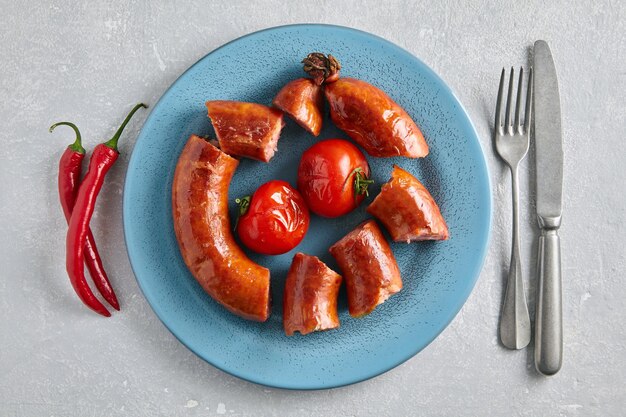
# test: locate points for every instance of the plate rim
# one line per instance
(483, 169)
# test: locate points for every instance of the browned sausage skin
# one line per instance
(303, 101)
(203, 231)
(369, 268)
(407, 209)
(373, 120)
(365, 112)
(310, 297)
(246, 129)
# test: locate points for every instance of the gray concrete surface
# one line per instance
(90, 62)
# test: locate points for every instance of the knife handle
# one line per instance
(548, 319)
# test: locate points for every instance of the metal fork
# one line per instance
(512, 141)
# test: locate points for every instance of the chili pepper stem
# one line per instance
(112, 143)
(77, 146)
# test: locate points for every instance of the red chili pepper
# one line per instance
(70, 167)
(103, 157)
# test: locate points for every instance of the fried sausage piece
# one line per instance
(310, 297)
(302, 100)
(203, 231)
(373, 120)
(369, 268)
(246, 129)
(407, 209)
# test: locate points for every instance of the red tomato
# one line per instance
(276, 219)
(333, 177)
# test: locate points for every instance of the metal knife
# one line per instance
(549, 177)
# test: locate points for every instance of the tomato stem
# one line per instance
(361, 182)
(244, 205)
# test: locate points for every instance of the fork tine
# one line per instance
(509, 100)
(529, 99)
(516, 125)
(498, 124)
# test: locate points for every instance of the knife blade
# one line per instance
(549, 182)
(548, 138)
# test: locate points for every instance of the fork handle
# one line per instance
(548, 320)
(515, 320)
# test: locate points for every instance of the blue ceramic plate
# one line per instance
(438, 276)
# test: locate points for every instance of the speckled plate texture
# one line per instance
(438, 276)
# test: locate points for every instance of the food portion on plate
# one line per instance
(366, 113)
(310, 296)
(373, 120)
(274, 220)
(368, 266)
(333, 179)
(246, 129)
(407, 209)
(203, 231)
(302, 100)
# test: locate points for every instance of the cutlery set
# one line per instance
(542, 113)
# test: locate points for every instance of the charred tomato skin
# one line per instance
(327, 174)
(275, 220)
